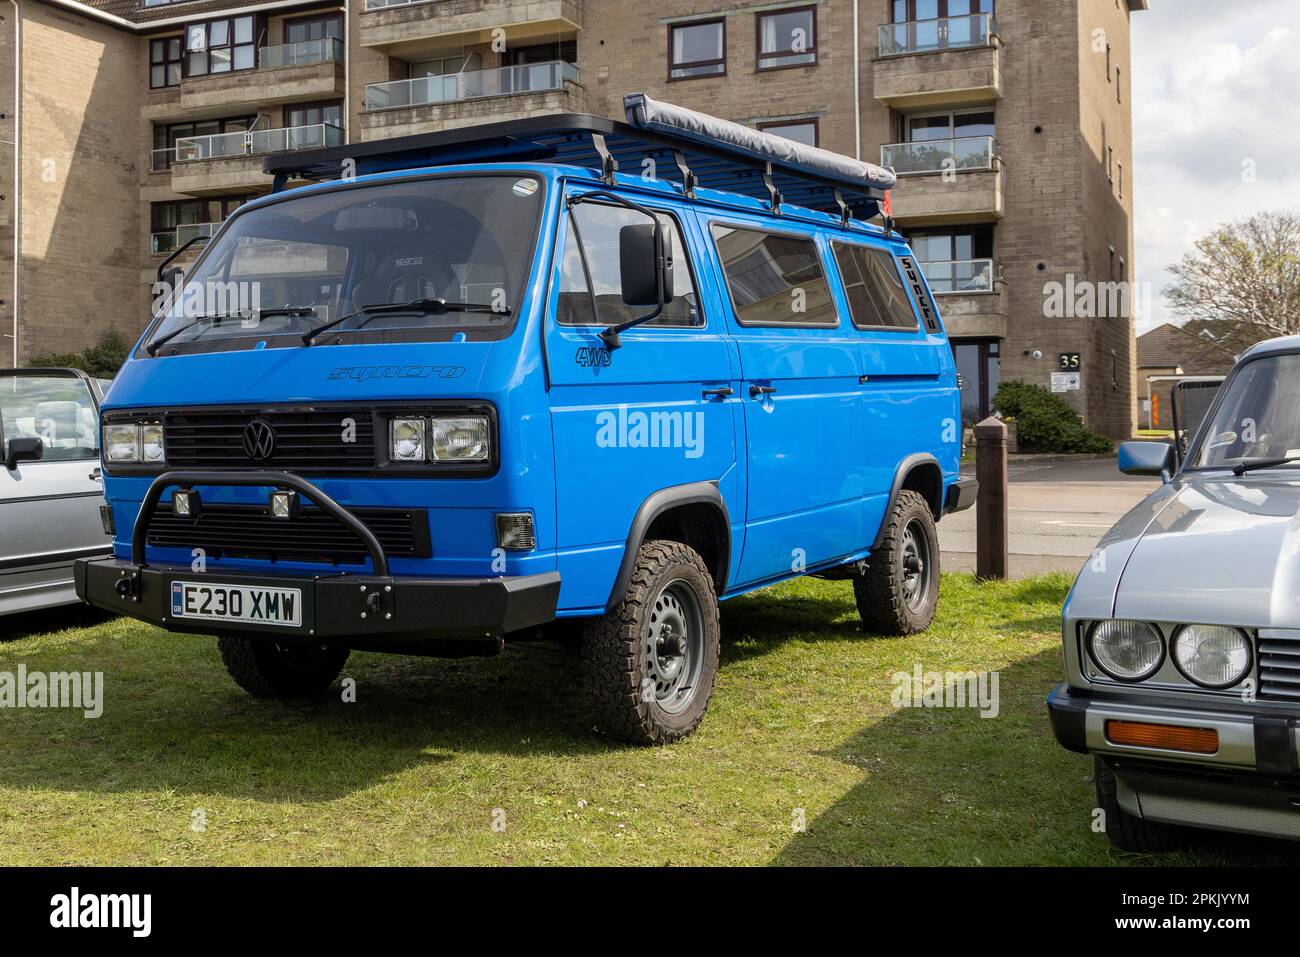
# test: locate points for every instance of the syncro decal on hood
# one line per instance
(1225, 552)
(370, 373)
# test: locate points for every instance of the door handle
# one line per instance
(96, 476)
(720, 393)
(756, 390)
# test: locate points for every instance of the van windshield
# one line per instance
(454, 251)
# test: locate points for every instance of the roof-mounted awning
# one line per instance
(687, 148)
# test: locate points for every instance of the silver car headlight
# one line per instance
(462, 438)
(1212, 656)
(1126, 650)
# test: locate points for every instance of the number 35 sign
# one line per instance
(1069, 361)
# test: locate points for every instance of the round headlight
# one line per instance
(1212, 656)
(1126, 650)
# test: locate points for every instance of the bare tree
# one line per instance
(1244, 274)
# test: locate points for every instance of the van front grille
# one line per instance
(1279, 669)
(301, 441)
(248, 531)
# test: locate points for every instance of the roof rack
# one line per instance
(761, 166)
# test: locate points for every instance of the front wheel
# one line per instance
(269, 669)
(1126, 831)
(649, 664)
(899, 591)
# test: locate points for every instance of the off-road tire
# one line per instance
(616, 650)
(1125, 831)
(264, 670)
(880, 591)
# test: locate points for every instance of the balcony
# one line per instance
(946, 180)
(950, 62)
(231, 163)
(971, 297)
(169, 240)
(464, 99)
(401, 27)
(288, 73)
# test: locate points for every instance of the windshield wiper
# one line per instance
(1250, 465)
(296, 312)
(435, 306)
(153, 347)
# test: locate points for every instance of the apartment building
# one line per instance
(143, 123)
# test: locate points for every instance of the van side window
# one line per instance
(774, 279)
(591, 265)
(874, 288)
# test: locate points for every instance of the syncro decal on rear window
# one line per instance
(923, 301)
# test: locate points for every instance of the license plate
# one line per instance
(246, 604)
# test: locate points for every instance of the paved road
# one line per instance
(1057, 510)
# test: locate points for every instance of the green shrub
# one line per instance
(102, 360)
(1044, 422)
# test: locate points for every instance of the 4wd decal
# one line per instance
(590, 357)
(366, 373)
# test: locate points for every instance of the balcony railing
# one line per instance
(224, 145)
(959, 154)
(928, 36)
(305, 53)
(473, 84)
(385, 4)
(161, 159)
(963, 276)
(169, 240)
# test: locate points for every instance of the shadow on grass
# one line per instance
(991, 791)
(31, 623)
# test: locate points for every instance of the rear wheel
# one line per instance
(649, 664)
(1126, 831)
(269, 669)
(899, 591)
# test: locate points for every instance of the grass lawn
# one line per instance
(413, 771)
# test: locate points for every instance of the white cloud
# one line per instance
(1213, 89)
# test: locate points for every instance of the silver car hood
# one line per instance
(1213, 550)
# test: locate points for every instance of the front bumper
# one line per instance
(1251, 784)
(355, 609)
(361, 610)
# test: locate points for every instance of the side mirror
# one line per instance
(27, 449)
(1146, 458)
(639, 265)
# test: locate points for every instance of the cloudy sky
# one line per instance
(1215, 86)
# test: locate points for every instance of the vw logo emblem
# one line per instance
(259, 440)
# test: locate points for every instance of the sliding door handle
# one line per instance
(720, 393)
(758, 390)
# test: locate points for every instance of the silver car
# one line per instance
(1182, 633)
(50, 485)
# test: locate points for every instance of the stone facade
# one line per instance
(1057, 194)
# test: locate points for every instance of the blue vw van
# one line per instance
(560, 376)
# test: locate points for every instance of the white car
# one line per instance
(51, 489)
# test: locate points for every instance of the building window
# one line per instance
(697, 49)
(165, 137)
(220, 46)
(313, 114)
(1119, 86)
(173, 223)
(1110, 164)
(957, 259)
(1120, 180)
(303, 29)
(164, 63)
(787, 38)
(806, 132)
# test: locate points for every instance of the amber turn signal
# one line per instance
(1167, 736)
